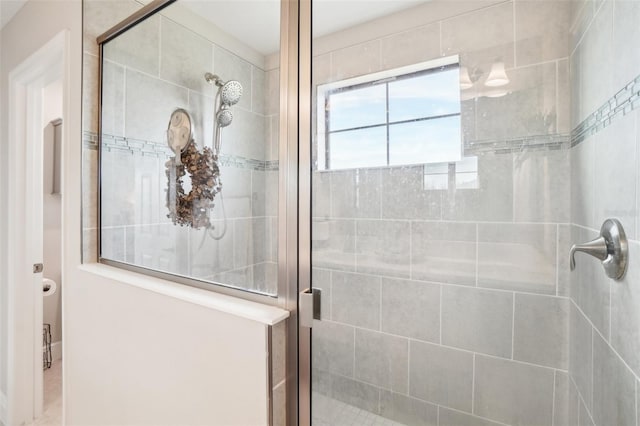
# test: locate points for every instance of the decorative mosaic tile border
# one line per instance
(507, 146)
(622, 103)
(152, 149)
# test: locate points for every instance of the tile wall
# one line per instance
(604, 361)
(451, 306)
(149, 71)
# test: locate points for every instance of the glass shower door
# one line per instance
(439, 144)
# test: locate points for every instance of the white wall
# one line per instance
(33, 26)
(131, 355)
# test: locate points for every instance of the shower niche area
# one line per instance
(188, 148)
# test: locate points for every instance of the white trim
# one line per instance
(265, 314)
(24, 336)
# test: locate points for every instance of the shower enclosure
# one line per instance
(414, 173)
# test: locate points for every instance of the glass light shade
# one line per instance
(497, 76)
(465, 80)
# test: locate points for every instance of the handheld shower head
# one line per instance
(231, 92)
(224, 117)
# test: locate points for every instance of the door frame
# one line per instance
(305, 164)
(24, 338)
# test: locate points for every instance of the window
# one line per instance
(408, 115)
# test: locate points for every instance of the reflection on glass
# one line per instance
(430, 141)
(358, 148)
(153, 69)
(357, 107)
(428, 95)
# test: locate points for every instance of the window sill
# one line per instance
(265, 314)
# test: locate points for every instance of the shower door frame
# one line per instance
(304, 204)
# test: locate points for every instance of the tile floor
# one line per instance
(52, 412)
(330, 412)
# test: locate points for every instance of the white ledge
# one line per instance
(266, 314)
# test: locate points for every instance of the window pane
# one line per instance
(427, 95)
(358, 107)
(358, 148)
(430, 141)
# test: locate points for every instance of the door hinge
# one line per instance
(37, 268)
(309, 306)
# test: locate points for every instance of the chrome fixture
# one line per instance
(610, 247)
(230, 92)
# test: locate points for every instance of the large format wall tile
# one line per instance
(411, 308)
(541, 31)
(580, 353)
(617, 174)
(512, 392)
(185, 57)
(477, 320)
(517, 257)
(405, 196)
(346, 390)
(399, 49)
(541, 330)
(441, 375)
(527, 109)
(356, 299)
(333, 347)
(626, 14)
(355, 193)
(149, 104)
(541, 186)
(231, 67)
(461, 35)
(614, 387)
(382, 247)
(625, 312)
(444, 252)
(407, 410)
(381, 359)
(492, 200)
(138, 48)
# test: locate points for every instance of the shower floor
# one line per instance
(330, 412)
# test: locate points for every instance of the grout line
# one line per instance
(513, 325)
(557, 259)
(592, 365)
(477, 254)
(413, 339)
(410, 250)
(473, 384)
(408, 366)
(553, 400)
(440, 337)
(469, 287)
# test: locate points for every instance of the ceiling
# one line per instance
(256, 22)
(8, 9)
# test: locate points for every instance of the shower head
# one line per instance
(224, 117)
(231, 92)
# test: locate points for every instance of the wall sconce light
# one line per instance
(465, 80)
(497, 76)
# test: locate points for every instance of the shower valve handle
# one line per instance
(610, 247)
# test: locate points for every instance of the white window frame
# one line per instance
(325, 90)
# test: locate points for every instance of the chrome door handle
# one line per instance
(610, 247)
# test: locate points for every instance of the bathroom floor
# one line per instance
(330, 412)
(52, 411)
